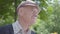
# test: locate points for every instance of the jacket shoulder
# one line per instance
(5, 29)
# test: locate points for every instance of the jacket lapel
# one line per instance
(33, 32)
(9, 29)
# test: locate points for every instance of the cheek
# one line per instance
(28, 14)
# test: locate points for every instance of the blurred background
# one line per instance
(48, 21)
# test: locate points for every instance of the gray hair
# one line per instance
(29, 3)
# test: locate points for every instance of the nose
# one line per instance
(35, 14)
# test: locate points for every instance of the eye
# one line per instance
(33, 11)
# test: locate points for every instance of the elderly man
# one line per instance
(27, 13)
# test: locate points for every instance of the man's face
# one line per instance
(29, 14)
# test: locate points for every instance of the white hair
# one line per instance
(30, 3)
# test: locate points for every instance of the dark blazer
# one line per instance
(8, 30)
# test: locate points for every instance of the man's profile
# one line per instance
(27, 13)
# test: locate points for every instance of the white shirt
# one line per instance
(18, 29)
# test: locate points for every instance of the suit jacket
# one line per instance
(9, 30)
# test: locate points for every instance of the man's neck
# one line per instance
(22, 23)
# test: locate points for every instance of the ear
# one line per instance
(20, 11)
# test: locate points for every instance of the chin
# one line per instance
(33, 21)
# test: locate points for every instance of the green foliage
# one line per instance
(48, 20)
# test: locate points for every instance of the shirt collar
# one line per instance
(17, 27)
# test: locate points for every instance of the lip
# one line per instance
(34, 16)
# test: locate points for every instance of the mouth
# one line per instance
(34, 16)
